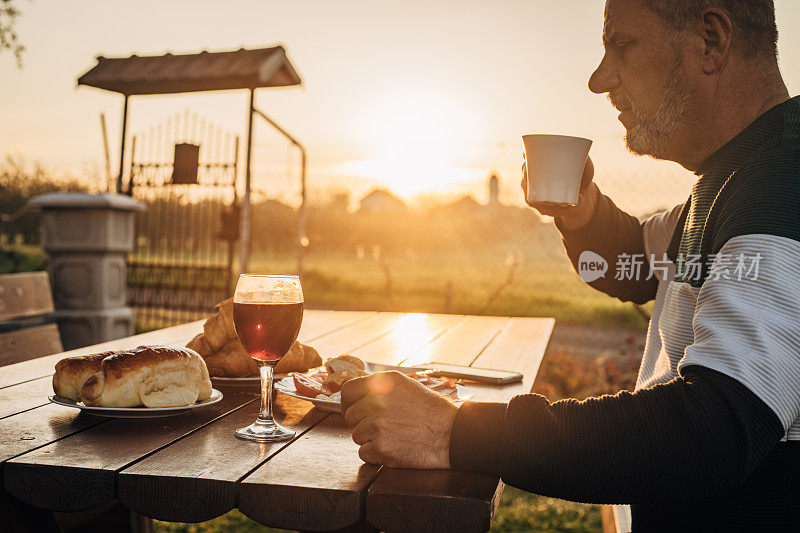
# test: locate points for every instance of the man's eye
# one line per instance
(622, 44)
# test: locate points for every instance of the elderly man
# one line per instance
(710, 439)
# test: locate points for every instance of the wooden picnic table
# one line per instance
(191, 468)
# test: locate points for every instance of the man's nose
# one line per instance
(604, 79)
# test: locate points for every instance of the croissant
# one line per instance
(300, 358)
(231, 361)
(224, 355)
(225, 309)
(200, 345)
(214, 328)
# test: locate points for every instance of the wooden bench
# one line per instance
(25, 302)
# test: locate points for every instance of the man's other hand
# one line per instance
(398, 422)
(572, 217)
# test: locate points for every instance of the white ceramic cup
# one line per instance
(554, 166)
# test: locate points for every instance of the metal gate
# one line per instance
(184, 170)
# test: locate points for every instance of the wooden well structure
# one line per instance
(243, 69)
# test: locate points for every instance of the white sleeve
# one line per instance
(657, 232)
(749, 328)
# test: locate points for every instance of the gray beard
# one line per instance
(650, 134)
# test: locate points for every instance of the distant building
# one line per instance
(340, 202)
(468, 206)
(465, 204)
(381, 201)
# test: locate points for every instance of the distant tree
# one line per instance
(9, 40)
(18, 184)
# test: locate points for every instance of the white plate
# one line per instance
(286, 386)
(136, 412)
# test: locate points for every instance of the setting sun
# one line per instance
(411, 167)
(415, 136)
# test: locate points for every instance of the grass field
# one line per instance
(18, 257)
(486, 283)
(536, 281)
(519, 512)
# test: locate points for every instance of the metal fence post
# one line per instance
(244, 240)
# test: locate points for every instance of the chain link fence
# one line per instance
(456, 256)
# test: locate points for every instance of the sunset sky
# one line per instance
(417, 96)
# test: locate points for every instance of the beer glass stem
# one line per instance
(265, 415)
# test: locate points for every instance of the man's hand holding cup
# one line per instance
(557, 178)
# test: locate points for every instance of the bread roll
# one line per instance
(344, 363)
(341, 369)
(72, 372)
(153, 376)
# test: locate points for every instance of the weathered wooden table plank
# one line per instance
(349, 337)
(460, 501)
(30, 393)
(411, 334)
(432, 500)
(33, 393)
(318, 323)
(314, 322)
(195, 479)
(519, 347)
(461, 344)
(24, 396)
(318, 482)
(79, 471)
(22, 432)
(363, 331)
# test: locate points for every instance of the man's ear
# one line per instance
(715, 29)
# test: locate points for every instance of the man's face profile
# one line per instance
(642, 73)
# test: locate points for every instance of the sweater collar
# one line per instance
(748, 141)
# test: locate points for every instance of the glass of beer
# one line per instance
(267, 313)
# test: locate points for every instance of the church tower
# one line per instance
(494, 190)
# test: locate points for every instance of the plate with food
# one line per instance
(144, 382)
(322, 386)
(136, 412)
(229, 364)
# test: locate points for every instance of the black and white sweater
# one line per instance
(710, 439)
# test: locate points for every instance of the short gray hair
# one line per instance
(753, 20)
